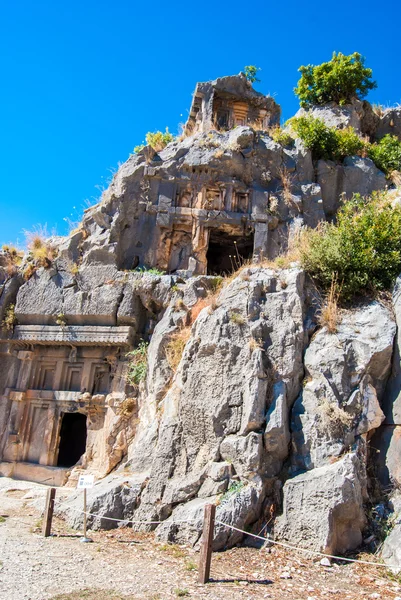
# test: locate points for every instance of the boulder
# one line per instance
(240, 506)
(115, 497)
(391, 549)
(323, 508)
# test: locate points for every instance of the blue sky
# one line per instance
(83, 81)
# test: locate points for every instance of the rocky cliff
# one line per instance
(162, 348)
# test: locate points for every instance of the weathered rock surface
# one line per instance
(340, 181)
(323, 510)
(218, 405)
(345, 376)
(114, 497)
(230, 418)
(390, 123)
(358, 114)
(386, 444)
(391, 550)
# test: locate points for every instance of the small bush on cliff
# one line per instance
(339, 80)
(317, 137)
(250, 73)
(282, 137)
(386, 154)
(327, 142)
(362, 251)
(9, 320)
(159, 140)
(175, 347)
(137, 364)
(349, 144)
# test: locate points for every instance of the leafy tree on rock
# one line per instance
(250, 73)
(339, 80)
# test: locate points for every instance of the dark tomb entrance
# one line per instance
(227, 253)
(72, 439)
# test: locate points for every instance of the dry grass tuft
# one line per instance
(13, 259)
(40, 248)
(237, 318)
(29, 271)
(179, 304)
(329, 314)
(395, 177)
(332, 417)
(175, 347)
(127, 407)
(378, 109)
(73, 268)
(258, 126)
(255, 344)
(286, 185)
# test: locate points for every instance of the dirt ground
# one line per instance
(123, 564)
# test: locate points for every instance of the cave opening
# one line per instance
(72, 439)
(226, 253)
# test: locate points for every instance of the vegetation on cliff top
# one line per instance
(361, 251)
(339, 80)
(330, 143)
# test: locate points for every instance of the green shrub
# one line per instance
(139, 148)
(250, 73)
(284, 138)
(150, 271)
(137, 364)
(159, 140)
(320, 139)
(339, 80)
(362, 251)
(328, 142)
(386, 154)
(348, 143)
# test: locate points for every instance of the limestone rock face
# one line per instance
(136, 359)
(322, 508)
(390, 123)
(232, 391)
(358, 114)
(345, 376)
(340, 181)
(392, 397)
(391, 550)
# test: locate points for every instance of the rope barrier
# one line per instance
(122, 520)
(306, 551)
(259, 537)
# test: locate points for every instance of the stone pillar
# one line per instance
(47, 454)
(200, 241)
(24, 375)
(260, 245)
(228, 200)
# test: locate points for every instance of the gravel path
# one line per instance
(135, 565)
